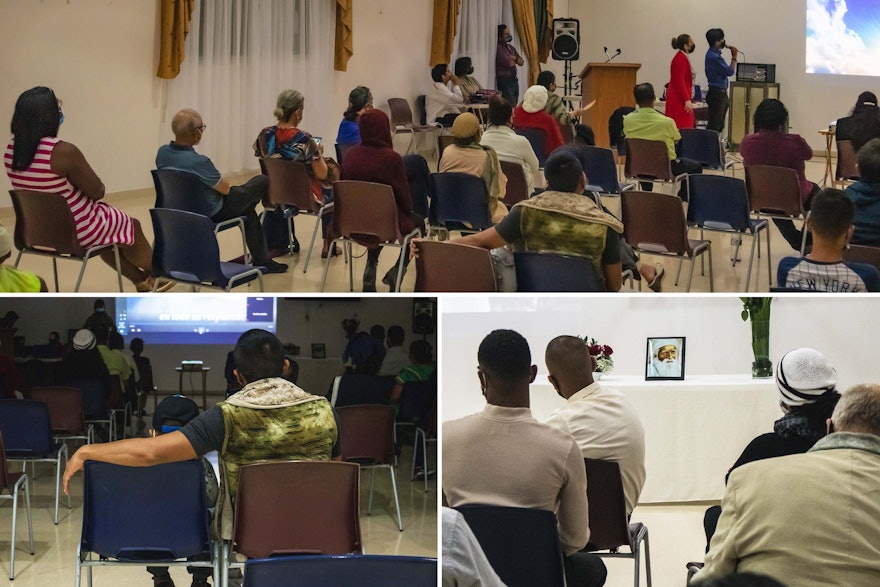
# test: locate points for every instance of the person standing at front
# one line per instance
(717, 72)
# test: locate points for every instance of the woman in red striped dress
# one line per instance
(37, 160)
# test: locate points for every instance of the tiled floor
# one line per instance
(99, 278)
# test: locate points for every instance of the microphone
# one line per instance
(611, 58)
(606, 54)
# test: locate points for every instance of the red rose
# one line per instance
(608, 350)
(595, 349)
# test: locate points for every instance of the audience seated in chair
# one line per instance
(396, 358)
(375, 160)
(503, 456)
(290, 424)
(172, 413)
(647, 123)
(782, 517)
(772, 144)
(823, 269)
(464, 562)
(467, 155)
(865, 194)
(83, 361)
(466, 83)
(601, 420)
(421, 367)
(361, 384)
(863, 123)
(531, 114)
(507, 144)
(359, 101)
(441, 103)
(577, 226)
(116, 362)
(555, 107)
(12, 280)
(226, 201)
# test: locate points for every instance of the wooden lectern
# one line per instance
(611, 85)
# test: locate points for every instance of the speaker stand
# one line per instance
(571, 85)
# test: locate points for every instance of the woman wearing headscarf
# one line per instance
(467, 155)
(681, 83)
(863, 123)
(376, 160)
(531, 114)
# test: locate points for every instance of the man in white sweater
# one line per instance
(509, 145)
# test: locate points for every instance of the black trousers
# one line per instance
(584, 569)
(718, 103)
(678, 166)
(242, 201)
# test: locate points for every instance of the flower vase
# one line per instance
(762, 366)
(597, 375)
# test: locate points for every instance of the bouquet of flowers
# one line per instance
(602, 353)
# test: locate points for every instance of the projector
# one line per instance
(191, 365)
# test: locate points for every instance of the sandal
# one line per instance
(656, 284)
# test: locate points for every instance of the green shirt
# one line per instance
(416, 372)
(647, 123)
(13, 280)
(557, 109)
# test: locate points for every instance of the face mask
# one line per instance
(508, 38)
(690, 48)
(723, 44)
(61, 119)
(470, 71)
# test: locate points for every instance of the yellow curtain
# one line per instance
(174, 26)
(545, 36)
(344, 44)
(524, 20)
(443, 37)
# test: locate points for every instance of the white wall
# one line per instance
(718, 341)
(768, 32)
(300, 321)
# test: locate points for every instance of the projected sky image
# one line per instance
(843, 37)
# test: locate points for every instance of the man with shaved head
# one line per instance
(602, 421)
(503, 456)
(225, 202)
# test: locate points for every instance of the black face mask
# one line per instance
(723, 44)
(470, 71)
(508, 38)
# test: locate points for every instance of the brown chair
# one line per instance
(567, 131)
(517, 186)
(443, 141)
(655, 224)
(402, 122)
(862, 254)
(295, 507)
(448, 267)
(13, 482)
(364, 210)
(847, 169)
(609, 527)
(289, 184)
(117, 403)
(65, 412)
(775, 192)
(366, 435)
(44, 226)
(649, 161)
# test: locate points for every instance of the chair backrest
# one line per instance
(366, 433)
(537, 139)
(774, 190)
(94, 392)
(645, 158)
(415, 401)
(401, 113)
(290, 507)
(517, 188)
(459, 199)
(164, 507)
(65, 407)
(365, 208)
(607, 505)
(6, 483)
(26, 428)
(179, 190)
(540, 271)
(862, 254)
(289, 183)
(654, 222)
(521, 544)
(615, 127)
(145, 370)
(443, 141)
(330, 571)
(44, 222)
(341, 150)
(718, 202)
(702, 145)
(847, 161)
(600, 168)
(185, 246)
(360, 388)
(439, 267)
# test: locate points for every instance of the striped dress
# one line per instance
(97, 223)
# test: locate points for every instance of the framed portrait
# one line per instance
(318, 350)
(664, 360)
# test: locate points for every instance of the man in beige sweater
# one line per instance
(503, 456)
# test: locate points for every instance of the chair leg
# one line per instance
(691, 274)
(711, 272)
(350, 266)
(312, 243)
(769, 262)
(370, 502)
(118, 267)
(416, 441)
(752, 258)
(55, 271)
(14, 520)
(27, 504)
(647, 557)
(77, 581)
(678, 273)
(396, 502)
(425, 459)
(327, 266)
(82, 269)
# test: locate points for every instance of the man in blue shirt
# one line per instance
(717, 72)
(226, 202)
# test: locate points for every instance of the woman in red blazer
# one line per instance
(681, 84)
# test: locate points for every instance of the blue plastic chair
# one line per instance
(27, 433)
(539, 271)
(14, 483)
(460, 202)
(182, 190)
(704, 146)
(144, 516)
(721, 204)
(330, 571)
(186, 251)
(521, 544)
(538, 140)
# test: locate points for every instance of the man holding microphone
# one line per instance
(717, 72)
